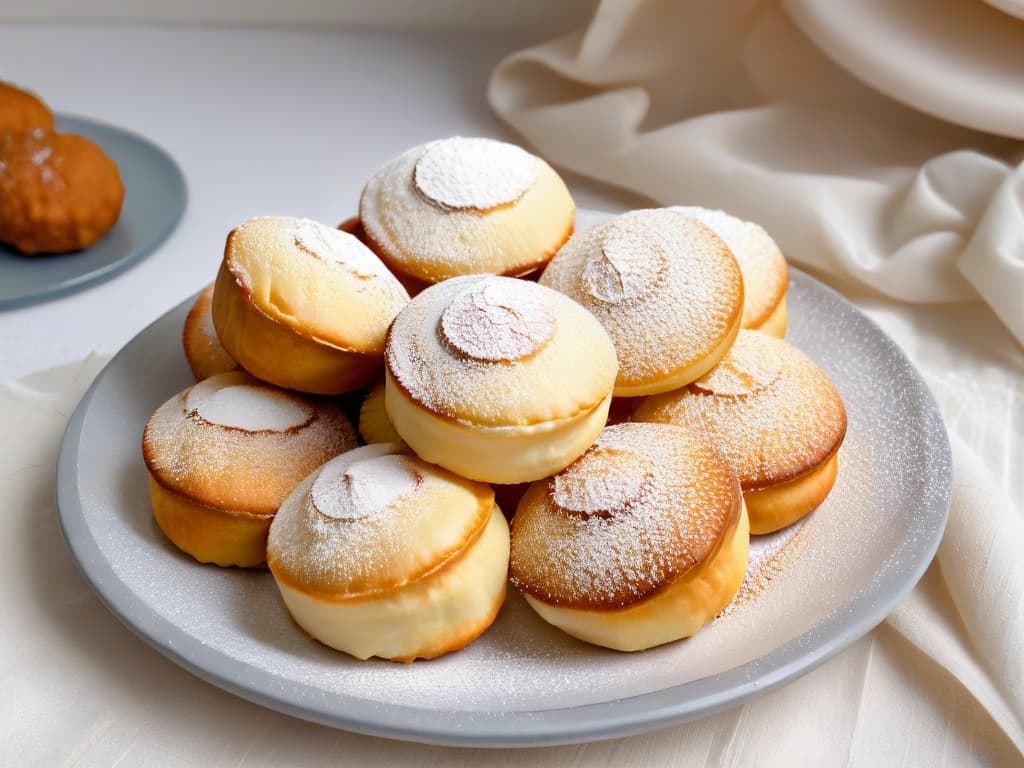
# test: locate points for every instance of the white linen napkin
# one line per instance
(727, 105)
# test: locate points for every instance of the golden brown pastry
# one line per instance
(303, 305)
(462, 206)
(59, 192)
(223, 455)
(205, 354)
(22, 111)
(777, 418)
(381, 554)
(639, 542)
(374, 424)
(765, 273)
(497, 379)
(664, 286)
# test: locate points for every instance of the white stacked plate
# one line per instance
(960, 60)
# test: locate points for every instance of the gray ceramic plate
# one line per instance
(153, 202)
(524, 683)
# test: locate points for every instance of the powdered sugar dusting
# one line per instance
(689, 498)
(497, 320)
(773, 433)
(247, 464)
(249, 407)
(625, 267)
(364, 488)
(370, 520)
(570, 373)
(602, 481)
(473, 173)
(768, 556)
(761, 262)
(665, 288)
(337, 247)
(748, 368)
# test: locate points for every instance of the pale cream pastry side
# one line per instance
(303, 305)
(462, 206)
(641, 541)
(774, 415)
(222, 456)
(378, 553)
(497, 379)
(665, 287)
(764, 268)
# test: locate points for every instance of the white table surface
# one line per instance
(260, 121)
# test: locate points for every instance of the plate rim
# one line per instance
(154, 239)
(699, 698)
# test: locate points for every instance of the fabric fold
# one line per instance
(847, 180)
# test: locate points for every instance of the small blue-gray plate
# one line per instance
(154, 200)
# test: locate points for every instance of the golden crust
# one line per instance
(764, 268)
(780, 505)
(509, 454)
(426, 240)
(775, 323)
(666, 289)
(371, 520)
(304, 306)
(220, 536)
(439, 613)
(374, 424)
(382, 554)
(644, 507)
(539, 357)
(677, 611)
(240, 470)
(21, 111)
(500, 380)
(205, 354)
(771, 411)
(299, 273)
(58, 192)
(280, 355)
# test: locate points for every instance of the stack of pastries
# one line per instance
(601, 419)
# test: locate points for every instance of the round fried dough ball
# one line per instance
(59, 192)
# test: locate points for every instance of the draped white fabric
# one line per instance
(728, 105)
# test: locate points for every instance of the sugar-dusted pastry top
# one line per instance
(234, 442)
(665, 287)
(645, 505)
(765, 273)
(372, 520)
(496, 351)
(767, 407)
(462, 206)
(319, 281)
